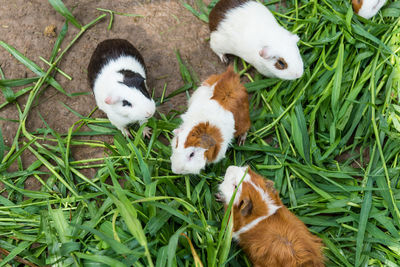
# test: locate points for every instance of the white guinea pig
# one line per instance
(367, 8)
(268, 232)
(218, 110)
(117, 75)
(248, 30)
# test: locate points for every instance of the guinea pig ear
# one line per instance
(207, 141)
(111, 100)
(269, 184)
(246, 207)
(176, 131)
(264, 53)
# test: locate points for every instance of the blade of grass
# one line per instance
(60, 39)
(7, 91)
(100, 259)
(59, 6)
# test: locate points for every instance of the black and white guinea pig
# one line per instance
(367, 8)
(218, 111)
(117, 75)
(248, 30)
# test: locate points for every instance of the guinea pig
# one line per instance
(248, 30)
(117, 75)
(218, 110)
(367, 8)
(266, 230)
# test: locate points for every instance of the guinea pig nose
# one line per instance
(177, 170)
(148, 115)
(219, 197)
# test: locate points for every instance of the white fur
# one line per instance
(248, 226)
(248, 28)
(107, 84)
(369, 8)
(201, 109)
(232, 178)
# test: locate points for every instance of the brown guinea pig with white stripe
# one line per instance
(267, 231)
(218, 111)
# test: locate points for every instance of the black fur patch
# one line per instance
(135, 80)
(111, 49)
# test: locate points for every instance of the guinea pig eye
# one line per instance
(191, 155)
(126, 103)
(281, 64)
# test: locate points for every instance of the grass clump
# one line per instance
(329, 140)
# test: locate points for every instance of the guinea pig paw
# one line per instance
(127, 133)
(242, 139)
(146, 132)
(224, 59)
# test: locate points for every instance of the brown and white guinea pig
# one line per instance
(117, 75)
(266, 230)
(248, 30)
(218, 110)
(367, 8)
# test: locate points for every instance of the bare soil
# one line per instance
(31, 26)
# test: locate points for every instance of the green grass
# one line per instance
(330, 141)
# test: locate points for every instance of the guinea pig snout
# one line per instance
(219, 197)
(294, 75)
(298, 74)
(179, 170)
(150, 110)
(176, 170)
(175, 166)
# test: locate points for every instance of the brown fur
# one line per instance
(281, 240)
(206, 136)
(259, 209)
(232, 96)
(218, 12)
(357, 4)
(212, 79)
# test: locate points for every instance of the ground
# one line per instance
(32, 26)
